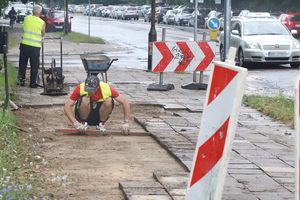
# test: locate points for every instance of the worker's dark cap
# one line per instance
(91, 83)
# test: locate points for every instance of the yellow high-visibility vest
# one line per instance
(105, 89)
(32, 31)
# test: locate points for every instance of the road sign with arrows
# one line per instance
(182, 56)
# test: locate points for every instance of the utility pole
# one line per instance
(66, 17)
(152, 35)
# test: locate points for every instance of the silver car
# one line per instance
(262, 40)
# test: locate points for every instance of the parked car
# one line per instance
(147, 15)
(160, 12)
(144, 9)
(169, 17)
(200, 20)
(183, 16)
(55, 20)
(22, 13)
(291, 21)
(130, 13)
(262, 40)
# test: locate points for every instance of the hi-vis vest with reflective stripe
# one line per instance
(105, 89)
(32, 31)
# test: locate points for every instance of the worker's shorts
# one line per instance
(94, 115)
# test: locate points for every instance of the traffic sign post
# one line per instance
(213, 25)
(218, 125)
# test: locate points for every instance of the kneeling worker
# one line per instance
(94, 102)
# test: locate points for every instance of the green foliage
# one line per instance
(278, 107)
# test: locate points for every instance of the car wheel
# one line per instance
(241, 59)
(295, 65)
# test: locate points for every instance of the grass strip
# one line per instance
(82, 38)
(18, 180)
(12, 79)
(277, 107)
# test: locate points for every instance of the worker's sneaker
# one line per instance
(101, 127)
(35, 85)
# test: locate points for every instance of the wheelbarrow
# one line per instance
(96, 63)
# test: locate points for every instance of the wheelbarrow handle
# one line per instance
(115, 59)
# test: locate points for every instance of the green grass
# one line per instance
(16, 176)
(82, 38)
(12, 79)
(278, 107)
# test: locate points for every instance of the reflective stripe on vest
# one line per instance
(105, 89)
(32, 31)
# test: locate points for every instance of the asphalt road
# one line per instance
(131, 37)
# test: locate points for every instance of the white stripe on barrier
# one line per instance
(223, 100)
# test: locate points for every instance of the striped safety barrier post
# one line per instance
(218, 125)
(297, 133)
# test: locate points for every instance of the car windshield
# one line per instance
(187, 11)
(264, 28)
(295, 18)
(58, 15)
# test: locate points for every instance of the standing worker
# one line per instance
(94, 102)
(33, 31)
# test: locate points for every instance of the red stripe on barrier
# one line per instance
(208, 58)
(209, 153)
(167, 56)
(221, 78)
(187, 56)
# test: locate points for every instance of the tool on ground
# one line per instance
(73, 131)
(96, 63)
(53, 83)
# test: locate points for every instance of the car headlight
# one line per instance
(296, 44)
(253, 45)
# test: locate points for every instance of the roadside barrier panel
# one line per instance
(182, 56)
(297, 133)
(218, 125)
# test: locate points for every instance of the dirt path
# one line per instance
(90, 167)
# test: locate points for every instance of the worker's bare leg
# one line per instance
(84, 108)
(105, 110)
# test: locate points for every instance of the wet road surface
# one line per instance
(132, 38)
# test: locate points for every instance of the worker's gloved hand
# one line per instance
(125, 128)
(80, 127)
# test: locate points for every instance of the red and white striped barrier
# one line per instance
(218, 125)
(182, 56)
(297, 135)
